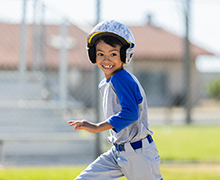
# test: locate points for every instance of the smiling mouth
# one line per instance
(107, 67)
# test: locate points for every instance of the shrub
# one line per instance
(214, 89)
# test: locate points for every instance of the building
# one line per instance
(157, 62)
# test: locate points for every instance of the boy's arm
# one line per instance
(129, 96)
(90, 127)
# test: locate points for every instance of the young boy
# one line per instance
(134, 153)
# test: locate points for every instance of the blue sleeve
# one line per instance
(129, 96)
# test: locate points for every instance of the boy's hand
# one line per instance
(90, 127)
(83, 125)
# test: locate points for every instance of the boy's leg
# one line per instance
(140, 164)
(103, 168)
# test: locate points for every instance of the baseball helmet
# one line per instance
(117, 30)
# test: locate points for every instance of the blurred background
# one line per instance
(46, 78)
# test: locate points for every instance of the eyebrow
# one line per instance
(109, 51)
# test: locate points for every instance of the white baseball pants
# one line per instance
(140, 164)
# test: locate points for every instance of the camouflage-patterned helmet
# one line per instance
(115, 29)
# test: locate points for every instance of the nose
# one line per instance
(106, 58)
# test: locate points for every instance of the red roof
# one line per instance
(156, 43)
(10, 46)
(151, 43)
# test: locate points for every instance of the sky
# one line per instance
(167, 14)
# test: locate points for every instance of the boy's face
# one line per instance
(108, 58)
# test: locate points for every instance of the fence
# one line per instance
(46, 78)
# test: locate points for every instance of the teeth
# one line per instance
(107, 66)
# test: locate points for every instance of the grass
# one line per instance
(188, 143)
(40, 173)
(191, 172)
(169, 172)
(193, 151)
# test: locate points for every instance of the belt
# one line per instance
(135, 145)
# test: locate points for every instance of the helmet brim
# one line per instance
(93, 38)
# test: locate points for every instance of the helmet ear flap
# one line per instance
(123, 53)
(92, 54)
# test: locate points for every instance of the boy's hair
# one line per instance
(110, 40)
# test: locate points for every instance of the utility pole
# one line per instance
(34, 33)
(98, 149)
(42, 40)
(63, 67)
(22, 65)
(187, 64)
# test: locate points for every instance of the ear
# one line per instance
(92, 54)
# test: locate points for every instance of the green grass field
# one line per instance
(188, 143)
(170, 172)
(187, 153)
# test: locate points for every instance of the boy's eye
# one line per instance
(113, 54)
(100, 54)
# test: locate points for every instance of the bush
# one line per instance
(214, 89)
